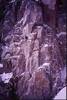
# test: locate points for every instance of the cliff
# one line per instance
(33, 49)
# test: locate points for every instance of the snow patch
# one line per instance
(63, 74)
(47, 45)
(19, 22)
(61, 95)
(6, 77)
(5, 50)
(61, 33)
(12, 1)
(42, 66)
(37, 0)
(1, 65)
(46, 64)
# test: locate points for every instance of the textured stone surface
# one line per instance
(33, 51)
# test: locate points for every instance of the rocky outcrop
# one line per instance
(32, 53)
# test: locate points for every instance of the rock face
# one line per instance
(32, 52)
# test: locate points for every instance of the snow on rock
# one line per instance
(12, 1)
(47, 45)
(37, 0)
(5, 50)
(31, 50)
(63, 74)
(46, 64)
(19, 22)
(61, 33)
(6, 77)
(61, 95)
(1, 65)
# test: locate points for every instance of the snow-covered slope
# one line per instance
(61, 95)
